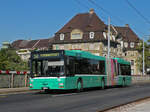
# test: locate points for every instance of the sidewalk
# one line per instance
(13, 90)
(142, 107)
(139, 106)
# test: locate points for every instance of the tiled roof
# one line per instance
(127, 33)
(16, 44)
(43, 43)
(31, 44)
(86, 22)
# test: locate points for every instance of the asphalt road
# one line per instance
(87, 101)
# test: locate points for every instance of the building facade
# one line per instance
(87, 32)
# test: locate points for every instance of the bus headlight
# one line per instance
(31, 86)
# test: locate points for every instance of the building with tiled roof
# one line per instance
(129, 43)
(24, 47)
(86, 31)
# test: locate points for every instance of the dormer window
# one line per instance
(126, 44)
(113, 37)
(118, 46)
(104, 34)
(121, 44)
(76, 34)
(62, 36)
(91, 35)
(132, 44)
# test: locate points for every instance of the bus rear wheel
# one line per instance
(103, 84)
(79, 86)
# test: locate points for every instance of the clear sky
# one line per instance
(36, 19)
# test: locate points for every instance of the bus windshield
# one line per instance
(41, 68)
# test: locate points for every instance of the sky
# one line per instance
(39, 19)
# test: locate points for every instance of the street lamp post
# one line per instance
(108, 51)
(143, 59)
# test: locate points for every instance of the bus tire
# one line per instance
(79, 86)
(103, 84)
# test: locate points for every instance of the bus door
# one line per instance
(114, 73)
(108, 69)
(111, 72)
(116, 69)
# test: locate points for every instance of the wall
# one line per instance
(13, 80)
(140, 79)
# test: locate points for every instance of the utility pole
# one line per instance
(144, 54)
(108, 55)
(108, 51)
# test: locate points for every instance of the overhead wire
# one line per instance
(107, 12)
(87, 7)
(137, 11)
(115, 17)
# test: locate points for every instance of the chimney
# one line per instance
(126, 25)
(91, 11)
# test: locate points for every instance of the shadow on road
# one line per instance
(57, 92)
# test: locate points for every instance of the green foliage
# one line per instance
(9, 60)
(146, 55)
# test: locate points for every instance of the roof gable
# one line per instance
(84, 22)
(127, 33)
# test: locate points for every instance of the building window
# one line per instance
(132, 71)
(104, 34)
(118, 46)
(97, 54)
(62, 36)
(114, 50)
(105, 48)
(91, 47)
(91, 35)
(132, 62)
(125, 54)
(132, 44)
(76, 34)
(121, 44)
(125, 44)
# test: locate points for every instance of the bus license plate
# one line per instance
(45, 88)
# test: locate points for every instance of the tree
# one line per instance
(9, 60)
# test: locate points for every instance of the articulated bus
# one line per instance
(76, 69)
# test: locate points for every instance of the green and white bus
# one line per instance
(75, 69)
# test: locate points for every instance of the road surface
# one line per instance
(88, 101)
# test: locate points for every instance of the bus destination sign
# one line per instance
(46, 55)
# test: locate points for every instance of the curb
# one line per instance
(14, 90)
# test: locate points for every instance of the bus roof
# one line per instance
(83, 54)
(76, 53)
(122, 61)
